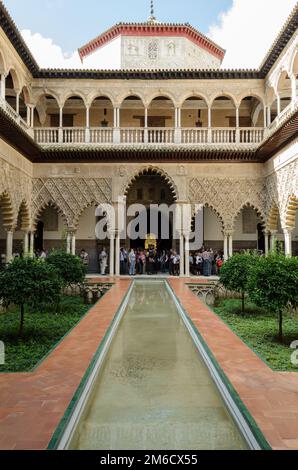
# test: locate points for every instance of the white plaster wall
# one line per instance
(172, 52)
(107, 57)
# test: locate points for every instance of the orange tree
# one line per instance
(273, 284)
(29, 282)
(235, 272)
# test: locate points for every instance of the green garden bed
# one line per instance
(259, 329)
(42, 332)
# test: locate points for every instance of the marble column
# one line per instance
(68, 243)
(226, 250)
(9, 246)
(187, 267)
(26, 244)
(31, 250)
(273, 240)
(230, 245)
(181, 248)
(73, 244)
(112, 253)
(117, 254)
(288, 241)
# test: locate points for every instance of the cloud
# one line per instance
(248, 30)
(48, 54)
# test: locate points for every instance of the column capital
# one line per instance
(228, 233)
(288, 229)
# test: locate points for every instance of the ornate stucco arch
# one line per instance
(24, 215)
(132, 178)
(7, 210)
(70, 195)
(227, 195)
(291, 211)
(259, 211)
(215, 210)
(37, 214)
(273, 218)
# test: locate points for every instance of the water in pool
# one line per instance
(154, 391)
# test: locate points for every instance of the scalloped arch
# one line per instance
(153, 171)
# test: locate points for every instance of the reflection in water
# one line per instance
(154, 391)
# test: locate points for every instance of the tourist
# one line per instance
(84, 256)
(176, 264)
(206, 263)
(198, 264)
(171, 265)
(141, 260)
(163, 261)
(151, 260)
(103, 261)
(219, 263)
(123, 261)
(190, 262)
(132, 262)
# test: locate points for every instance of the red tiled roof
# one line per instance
(153, 29)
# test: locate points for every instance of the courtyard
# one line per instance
(148, 231)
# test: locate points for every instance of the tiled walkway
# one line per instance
(32, 404)
(271, 397)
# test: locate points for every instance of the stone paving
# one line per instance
(32, 404)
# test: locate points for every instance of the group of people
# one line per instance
(150, 261)
(206, 262)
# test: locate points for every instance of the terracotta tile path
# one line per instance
(32, 404)
(271, 397)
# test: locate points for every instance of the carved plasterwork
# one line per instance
(279, 187)
(71, 196)
(227, 196)
(17, 185)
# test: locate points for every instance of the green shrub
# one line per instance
(70, 267)
(29, 282)
(273, 284)
(235, 272)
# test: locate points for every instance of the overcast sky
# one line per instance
(55, 29)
